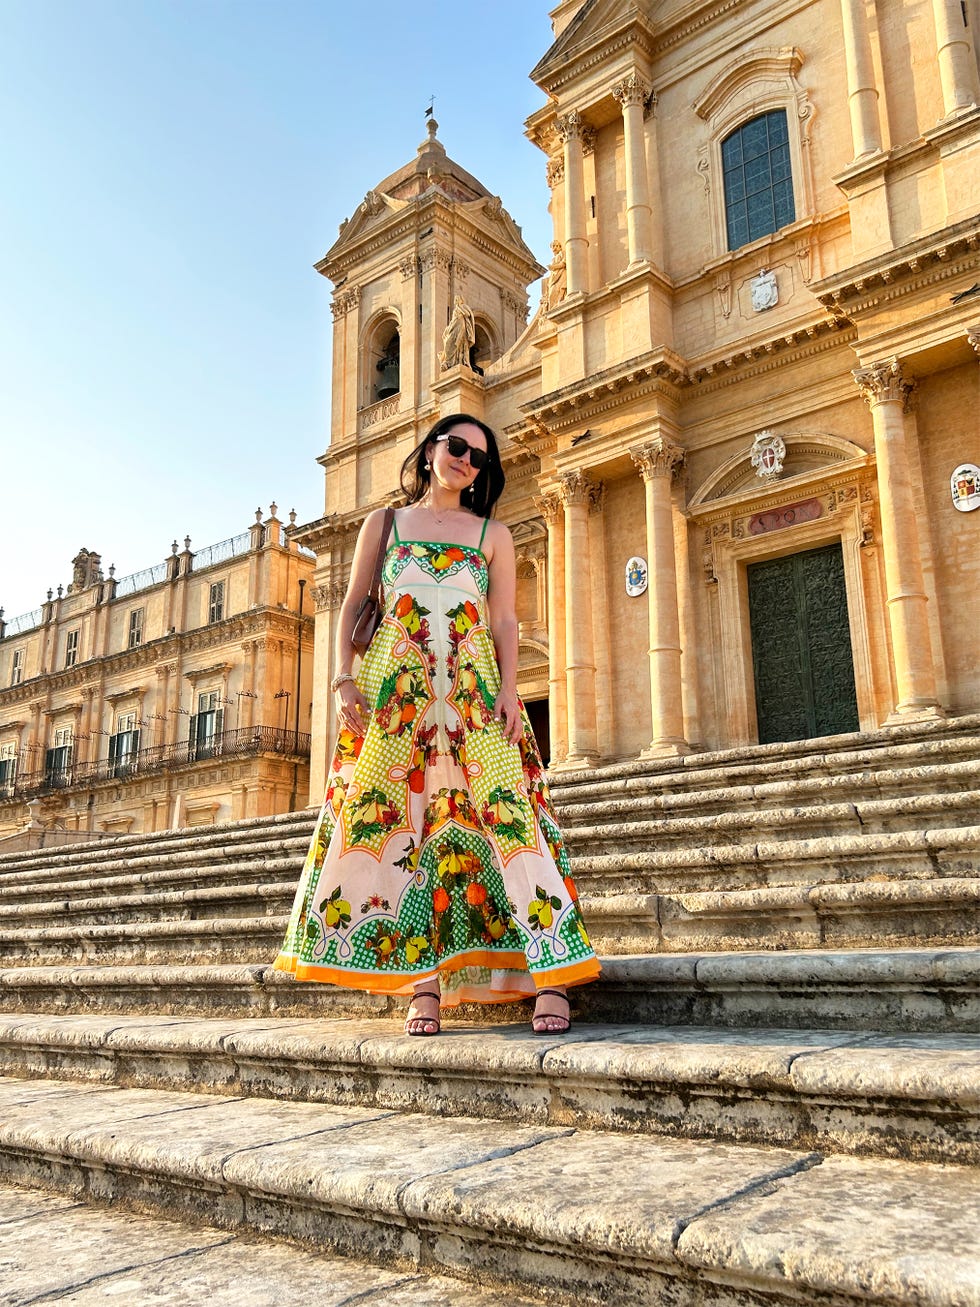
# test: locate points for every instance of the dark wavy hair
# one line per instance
(482, 495)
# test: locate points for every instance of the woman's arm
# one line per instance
(352, 706)
(502, 603)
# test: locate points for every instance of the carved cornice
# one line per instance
(660, 370)
(923, 263)
(764, 356)
(657, 458)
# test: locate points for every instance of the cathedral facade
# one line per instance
(740, 428)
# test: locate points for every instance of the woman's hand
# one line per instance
(352, 708)
(507, 710)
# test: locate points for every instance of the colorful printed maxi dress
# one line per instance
(436, 849)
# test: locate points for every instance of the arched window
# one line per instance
(483, 351)
(758, 179)
(387, 362)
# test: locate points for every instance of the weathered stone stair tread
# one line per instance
(941, 781)
(922, 742)
(929, 844)
(527, 1205)
(221, 938)
(888, 989)
(104, 1255)
(911, 1096)
(103, 910)
(819, 915)
(864, 818)
(190, 860)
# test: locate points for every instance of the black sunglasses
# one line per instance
(458, 447)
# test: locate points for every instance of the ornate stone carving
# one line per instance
(345, 300)
(631, 90)
(372, 203)
(410, 267)
(569, 125)
(588, 140)
(575, 488)
(973, 336)
(550, 507)
(597, 492)
(767, 454)
(555, 171)
(657, 458)
(461, 270)
(441, 259)
(883, 381)
(557, 278)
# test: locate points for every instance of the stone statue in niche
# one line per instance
(459, 337)
(557, 282)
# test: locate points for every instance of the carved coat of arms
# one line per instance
(768, 452)
(765, 292)
(637, 577)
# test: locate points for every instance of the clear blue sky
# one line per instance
(170, 172)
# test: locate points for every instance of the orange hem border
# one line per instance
(372, 982)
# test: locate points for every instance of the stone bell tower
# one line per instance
(427, 238)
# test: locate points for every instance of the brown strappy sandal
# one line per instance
(551, 1016)
(429, 1021)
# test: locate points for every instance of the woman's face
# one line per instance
(456, 472)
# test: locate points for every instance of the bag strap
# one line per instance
(375, 589)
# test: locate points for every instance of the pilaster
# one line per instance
(886, 391)
(657, 460)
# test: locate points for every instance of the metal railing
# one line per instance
(246, 742)
(222, 551)
(127, 585)
(26, 622)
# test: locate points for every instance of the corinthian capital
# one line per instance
(657, 458)
(631, 90)
(550, 507)
(575, 488)
(883, 381)
(569, 125)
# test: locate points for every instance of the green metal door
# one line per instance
(801, 646)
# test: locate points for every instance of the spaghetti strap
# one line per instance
(486, 521)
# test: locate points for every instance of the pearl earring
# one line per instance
(428, 467)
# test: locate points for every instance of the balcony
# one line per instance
(248, 742)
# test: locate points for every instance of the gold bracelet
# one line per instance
(338, 681)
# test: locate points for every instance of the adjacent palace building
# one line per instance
(741, 426)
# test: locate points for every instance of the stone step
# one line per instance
(835, 914)
(648, 795)
(901, 855)
(926, 744)
(106, 1254)
(228, 839)
(515, 1205)
(149, 862)
(871, 817)
(865, 914)
(891, 990)
(911, 1096)
(281, 870)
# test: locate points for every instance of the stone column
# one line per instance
(576, 239)
(886, 392)
(957, 71)
(862, 93)
(552, 511)
(632, 96)
(575, 490)
(657, 460)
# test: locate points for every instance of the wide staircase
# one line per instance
(771, 1096)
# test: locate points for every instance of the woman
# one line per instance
(437, 868)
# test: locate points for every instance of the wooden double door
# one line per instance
(802, 660)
